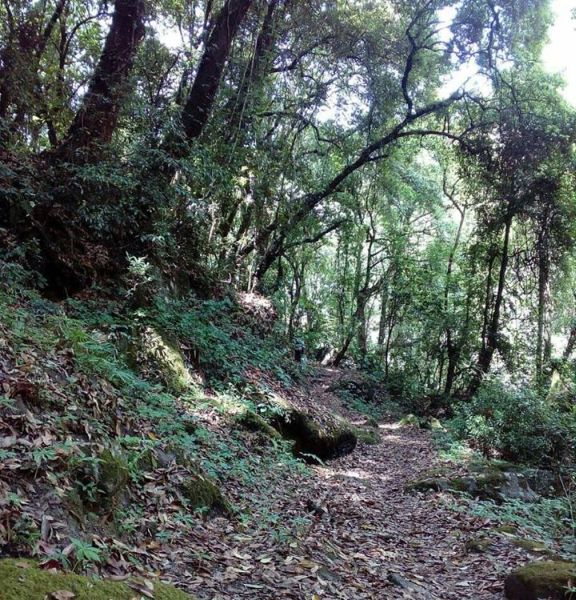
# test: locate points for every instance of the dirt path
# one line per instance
(361, 535)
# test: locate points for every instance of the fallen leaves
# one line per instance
(337, 532)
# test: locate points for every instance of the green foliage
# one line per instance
(225, 351)
(550, 519)
(516, 423)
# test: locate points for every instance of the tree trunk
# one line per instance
(203, 93)
(20, 93)
(452, 348)
(239, 116)
(97, 118)
(543, 334)
(493, 328)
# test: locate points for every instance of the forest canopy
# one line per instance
(397, 177)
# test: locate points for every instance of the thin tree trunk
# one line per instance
(493, 330)
(452, 348)
(542, 335)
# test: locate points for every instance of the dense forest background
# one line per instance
(389, 185)
(321, 154)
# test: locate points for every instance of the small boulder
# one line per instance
(313, 441)
(202, 493)
(478, 545)
(552, 580)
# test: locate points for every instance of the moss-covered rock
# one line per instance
(495, 485)
(506, 529)
(22, 580)
(427, 484)
(410, 421)
(547, 579)
(533, 546)
(254, 422)
(478, 545)
(202, 493)
(367, 436)
(101, 482)
(313, 441)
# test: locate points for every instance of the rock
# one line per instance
(202, 493)
(506, 529)
(533, 547)
(312, 441)
(548, 579)
(490, 485)
(428, 484)
(410, 421)
(367, 436)
(478, 545)
(155, 352)
(254, 422)
(101, 482)
(23, 580)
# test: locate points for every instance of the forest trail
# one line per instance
(367, 538)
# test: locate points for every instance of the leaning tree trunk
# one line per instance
(203, 92)
(97, 117)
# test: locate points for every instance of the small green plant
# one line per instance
(84, 553)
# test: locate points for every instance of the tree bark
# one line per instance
(490, 344)
(97, 118)
(452, 347)
(543, 334)
(239, 117)
(203, 92)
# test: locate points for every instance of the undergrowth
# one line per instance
(94, 411)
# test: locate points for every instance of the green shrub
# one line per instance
(516, 423)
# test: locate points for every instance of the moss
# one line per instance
(495, 465)
(164, 354)
(113, 473)
(478, 545)
(506, 529)
(532, 546)
(431, 423)
(311, 441)
(254, 422)
(409, 421)
(202, 493)
(368, 436)
(547, 579)
(435, 484)
(147, 460)
(102, 480)
(22, 580)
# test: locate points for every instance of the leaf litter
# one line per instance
(344, 530)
